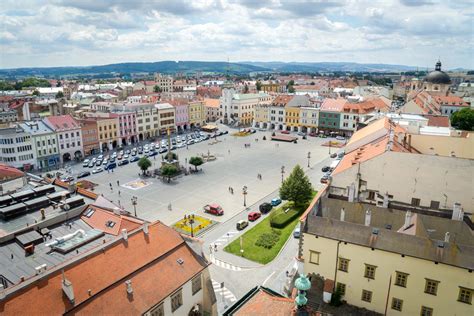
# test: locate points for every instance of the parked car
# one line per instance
(312, 134)
(340, 155)
(67, 179)
(123, 162)
(276, 201)
(301, 134)
(265, 207)
(297, 232)
(97, 170)
(91, 164)
(152, 153)
(241, 225)
(325, 169)
(214, 209)
(86, 162)
(134, 158)
(325, 179)
(254, 216)
(285, 132)
(98, 162)
(333, 155)
(100, 157)
(83, 174)
(126, 156)
(162, 150)
(340, 138)
(105, 162)
(111, 166)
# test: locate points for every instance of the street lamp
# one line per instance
(134, 203)
(329, 148)
(244, 192)
(191, 222)
(282, 173)
(309, 157)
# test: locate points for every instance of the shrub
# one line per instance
(282, 219)
(268, 240)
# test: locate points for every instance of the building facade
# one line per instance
(45, 144)
(197, 113)
(16, 148)
(127, 127)
(90, 136)
(69, 136)
(166, 114)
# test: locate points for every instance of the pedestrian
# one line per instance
(228, 151)
(110, 184)
(215, 247)
(169, 207)
(119, 192)
(287, 273)
(118, 182)
(210, 248)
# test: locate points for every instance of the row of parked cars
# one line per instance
(329, 169)
(264, 208)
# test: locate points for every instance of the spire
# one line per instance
(438, 65)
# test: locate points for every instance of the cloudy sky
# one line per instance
(94, 32)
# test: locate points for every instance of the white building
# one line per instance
(44, 142)
(16, 149)
(69, 136)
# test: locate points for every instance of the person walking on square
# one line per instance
(118, 182)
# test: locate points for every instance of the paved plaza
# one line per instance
(236, 166)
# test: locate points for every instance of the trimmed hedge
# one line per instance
(268, 240)
(282, 219)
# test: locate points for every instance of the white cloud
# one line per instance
(86, 32)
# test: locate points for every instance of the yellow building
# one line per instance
(108, 132)
(261, 115)
(292, 117)
(391, 261)
(197, 113)
(167, 117)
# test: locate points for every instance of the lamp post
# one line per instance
(329, 148)
(282, 173)
(134, 203)
(244, 192)
(191, 222)
(309, 157)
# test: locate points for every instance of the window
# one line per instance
(314, 257)
(434, 205)
(341, 288)
(157, 311)
(366, 296)
(415, 202)
(176, 300)
(401, 279)
(397, 304)
(197, 284)
(370, 271)
(431, 287)
(465, 295)
(371, 195)
(426, 311)
(343, 265)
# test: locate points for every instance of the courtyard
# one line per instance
(236, 166)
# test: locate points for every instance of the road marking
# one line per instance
(224, 265)
(223, 291)
(268, 278)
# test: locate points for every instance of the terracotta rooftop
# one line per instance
(9, 173)
(333, 105)
(150, 261)
(282, 100)
(62, 122)
(212, 103)
(261, 301)
(437, 120)
(108, 222)
(366, 106)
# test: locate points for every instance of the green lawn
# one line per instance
(260, 254)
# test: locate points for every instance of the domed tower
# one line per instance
(437, 81)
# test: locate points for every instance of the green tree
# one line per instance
(291, 89)
(196, 161)
(36, 92)
(169, 171)
(258, 85)
(144, 163)
(4, 85)
(58, 84)
(246, 89)
(296, 187)
(59, 95)
(156, 89)
(463, 119)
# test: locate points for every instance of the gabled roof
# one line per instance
(261, 301)
(282, 100)
(9, 173)
(150, 261)
(62, 123)
(212, 103)
(109, 222)
(437, 120)
(333, 105)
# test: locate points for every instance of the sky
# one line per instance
(39, 33)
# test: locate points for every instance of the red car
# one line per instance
(214, 209)
(285, 132)
(254, 216)
(312, 134)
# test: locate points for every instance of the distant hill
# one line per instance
(171, 67)
(329, 67)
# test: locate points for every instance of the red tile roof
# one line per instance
(101, 217)
(367, 106)
(282, 100)
(265, 303)
(9, 173)
(149, 261)
(333, 105)
(62, 122)
(437, 120)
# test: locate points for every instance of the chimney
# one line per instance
(68, 290)
(368, 215)
(145, 228)
(124, 234)
(446, 237)
(343, 214)
(457, 210)
(407, 219)
(385, 200)
(128, 284)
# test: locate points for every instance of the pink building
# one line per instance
(127, 128)
(181, 116)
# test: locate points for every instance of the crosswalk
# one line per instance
(223, 292)
(223, 264)
(224, 239)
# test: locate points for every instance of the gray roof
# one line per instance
(36, 128)
(430, 232)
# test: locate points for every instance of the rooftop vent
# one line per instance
(180, 261)
(375, 231)
(89, 212)
(440, 244)
(128, 284)
(388, 226)
(110, 224)
(124, 234)
(145, 228)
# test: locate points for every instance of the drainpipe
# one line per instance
(335, 270)
(388, 294)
